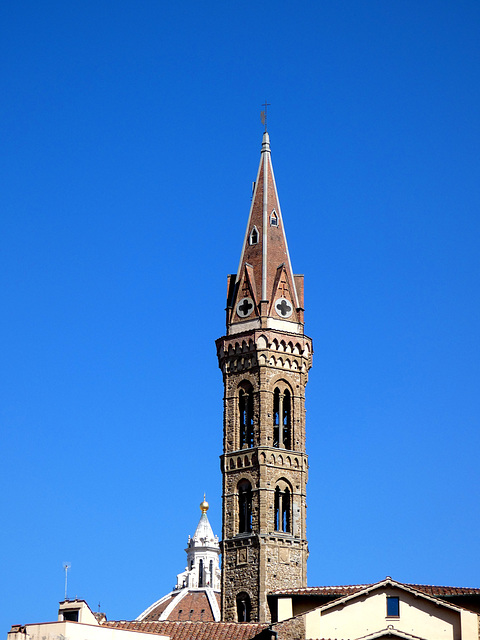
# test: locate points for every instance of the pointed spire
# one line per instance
(264, 286)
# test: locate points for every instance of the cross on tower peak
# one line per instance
(263, 114)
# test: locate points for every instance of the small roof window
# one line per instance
(253, 239)
(274, 219)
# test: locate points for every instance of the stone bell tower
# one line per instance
(265, 358)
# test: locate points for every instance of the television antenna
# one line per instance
(66, 567)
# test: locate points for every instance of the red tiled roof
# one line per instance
(340, 590)
(155, 613)
(193, 630)
(194, 606)
(345, 590)
(434, 590)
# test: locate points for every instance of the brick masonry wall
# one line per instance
(291, 629)
(266, 559)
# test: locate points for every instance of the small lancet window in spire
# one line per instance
(253, 239)
(274, 219)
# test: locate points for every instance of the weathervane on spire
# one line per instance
(263, 115)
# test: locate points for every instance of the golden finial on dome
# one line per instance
(204, 505)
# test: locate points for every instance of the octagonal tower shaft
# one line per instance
(265, 358)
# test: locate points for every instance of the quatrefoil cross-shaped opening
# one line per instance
(283, 307)
(245, 307)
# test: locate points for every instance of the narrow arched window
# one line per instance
(253, 236)
(283, 522)
(244, 607)
(200, 573)
(273, 219)
(286, 422)
(282, 431)
(245, 405)
(211, 573)
(244, 507)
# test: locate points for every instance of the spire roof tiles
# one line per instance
(265, 285)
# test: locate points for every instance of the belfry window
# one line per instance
(245, 405)
(244, 507)
(283, 510)
(200, 573)
(244, 607)
(282, 431)
(273, 219)
(211, 573)
(253, 239)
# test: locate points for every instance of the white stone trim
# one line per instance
(168, 610)
(213, 604)
(151, 607)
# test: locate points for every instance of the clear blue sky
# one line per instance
(130, 139)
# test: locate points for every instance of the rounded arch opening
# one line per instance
(244, 607)
(245, 409)
(283, 507)
(282, 417)
(244, 506)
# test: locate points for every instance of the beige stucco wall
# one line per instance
(85, 614)
(76, 631)
(367, 614)
(284, 609)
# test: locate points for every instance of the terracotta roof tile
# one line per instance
(155, 613)
(344, 590)
(340, 590)
(193, 630)
(434, 590)
(194, 606)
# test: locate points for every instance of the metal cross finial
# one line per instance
(263, 115)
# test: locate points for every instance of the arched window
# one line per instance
(253, 236)
(245, 406)
(273, 219)
(283, 509)
(244, 607)
(282, 431)
(211, 573)
(200, 573)
(244, 507)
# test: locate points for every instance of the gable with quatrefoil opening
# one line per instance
(283, 303)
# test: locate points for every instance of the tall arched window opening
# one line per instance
(244, 507)
(244, 607)
(282, 431)
(245, 405)
(211, 573)
(200, 573)
(283, 510)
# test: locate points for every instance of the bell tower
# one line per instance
(265, 358)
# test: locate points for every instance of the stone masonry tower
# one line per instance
(265, 358)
